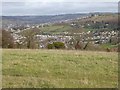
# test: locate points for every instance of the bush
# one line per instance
(56, 45)
(59, 45)
(50, 46)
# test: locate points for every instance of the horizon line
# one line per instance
(62, 14)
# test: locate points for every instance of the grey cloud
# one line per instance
(22, 8)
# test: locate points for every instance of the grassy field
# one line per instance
(56, 29)
(59, 69)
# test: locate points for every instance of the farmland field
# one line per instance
(59, 69)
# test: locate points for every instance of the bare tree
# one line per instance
(30, 37)
(7, 39)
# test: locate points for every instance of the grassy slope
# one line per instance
(60, 68)
(56, 29)
(67, 28)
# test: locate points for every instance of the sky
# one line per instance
(55, 7)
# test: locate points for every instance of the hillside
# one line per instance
(87, 21)
(94, 23)
(59, 69)
(20, 20)
(95, 29)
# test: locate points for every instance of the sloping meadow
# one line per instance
(59, 69)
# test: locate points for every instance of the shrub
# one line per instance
(50, 46)
(59, 45)
(56, 45)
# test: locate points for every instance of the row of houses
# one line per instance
(92, 36)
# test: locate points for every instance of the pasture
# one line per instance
(59, 69)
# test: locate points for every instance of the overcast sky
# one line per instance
(52, 7)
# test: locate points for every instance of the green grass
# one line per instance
(56, 29)
(59, 29)
(108, 45)
(59, 69)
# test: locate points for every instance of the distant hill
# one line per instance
(38, 19)
(95, 21)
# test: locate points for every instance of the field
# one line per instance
(59, 69)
